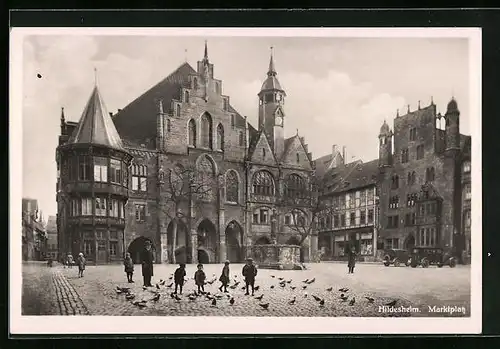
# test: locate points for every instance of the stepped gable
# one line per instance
(95, 125)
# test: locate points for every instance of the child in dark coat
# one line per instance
(199, 278)
(224, 277)
(129, 267)
(249, 272)
(179, 277)
(81, 264)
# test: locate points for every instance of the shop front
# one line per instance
(361, 239)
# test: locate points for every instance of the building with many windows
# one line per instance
(203, 185)
(52, 249)
(424, 182)
(349, 193)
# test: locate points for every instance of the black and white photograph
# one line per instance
(201, 180)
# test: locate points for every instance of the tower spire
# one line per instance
(95, 76)
(205, 55)
(272, 70)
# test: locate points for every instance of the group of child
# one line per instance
(249, 272)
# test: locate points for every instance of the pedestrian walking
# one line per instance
(129, 267)
(199, 278)
(249, 272)
(70, 260)
(147, 260)
(224, 277)
(81, 264)
(179, 275)
(352, 260)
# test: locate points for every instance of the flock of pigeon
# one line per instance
(216, 298)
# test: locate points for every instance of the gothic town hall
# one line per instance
(180, 167)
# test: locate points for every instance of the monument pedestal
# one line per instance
(274, 256)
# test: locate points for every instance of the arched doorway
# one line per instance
(203, 257)
(234, 237)
(178, 243)
(137, 246)
(263, 240)
(410, 242)
(207, 241)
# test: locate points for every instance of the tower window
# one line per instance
(206, 131)
(186, 97)
(225, 104)
(429, 174)
(192, 133)
(178, 111)
(404, 156)
(420, 152)
(195, 83)
(395, 182)
(298, 158)
(139, 177)
(263, 153)
(220, 137)
(100, 169)
(232, 120)
(413, 134)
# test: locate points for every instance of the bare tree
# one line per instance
(184, 189)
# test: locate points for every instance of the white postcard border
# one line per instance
(240, 325)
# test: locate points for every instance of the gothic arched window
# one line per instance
(192, 133)
(186, 96)
(294, 186)
(242, 139)
(263, 183)
(232, 186)
(206, 131)
(205, 178)
(178, 111)
(195, 83)
(220, 137)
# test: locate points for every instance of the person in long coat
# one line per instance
(147, 260)
(352, 260)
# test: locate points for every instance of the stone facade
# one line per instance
(185, 124)
(427, 158)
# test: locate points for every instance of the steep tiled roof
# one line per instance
(95, 125)
(322, 164)
(351, 176)
(137, 121)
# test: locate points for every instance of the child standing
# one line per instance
(249, 272)
(199, 278)
(129, 267)
(81, 264)
(224, 277)
(179, 277)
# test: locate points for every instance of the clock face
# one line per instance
(279, 121)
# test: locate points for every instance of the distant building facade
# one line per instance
(182, 127)
(33, 231)
(424, 181)
(51, 228)
(349, 193)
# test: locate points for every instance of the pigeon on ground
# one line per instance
(305, 294)
(162, 282)
(329, 289)
(370, 299)
(305, 281)
(156, 298)
(243, 288)
(393, 303)
(139, 302)
(353, 300)
(293, 287)
(289, 281)
(119, 291)
(192, 298)
(272, 286)
(311, 281)
(231, 301)
(344, 289)
(214, 302)
(233, 287)
(317, 299)
(170, 285)
(304, 287)
(177, 298)
(256, 288)
(157, 286)
(260, 297)
(170, 278)
(292, 302)
(283, 285)
(273, 276)
(264, 306)
(130, 296)
(321, 302)
(344, 297)
(144, 288)
(281, 278)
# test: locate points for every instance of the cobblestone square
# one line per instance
(60, 291)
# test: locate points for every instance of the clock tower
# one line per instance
(271, 110)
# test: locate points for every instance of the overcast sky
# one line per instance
(339, 90)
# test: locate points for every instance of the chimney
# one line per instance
(334, 150)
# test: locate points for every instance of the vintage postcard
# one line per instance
(204, 179)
